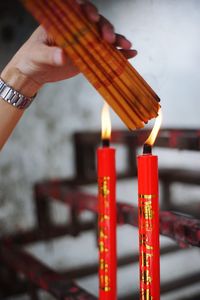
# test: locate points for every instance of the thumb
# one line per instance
(48, 55)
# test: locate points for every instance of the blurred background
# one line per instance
(166, 36)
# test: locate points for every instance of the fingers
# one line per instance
(125, 45)
(90, 10)
(54, 56)
(107, 30)
(105, 27)
(48, 55)
(122, 42)
(59, 57)
(128, 53)
(108, 33)
(39, 34)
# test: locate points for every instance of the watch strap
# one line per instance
(13, 97)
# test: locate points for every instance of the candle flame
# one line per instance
(105, 122)
(152, 137)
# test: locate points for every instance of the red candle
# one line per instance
(107, 214)
(148, 215)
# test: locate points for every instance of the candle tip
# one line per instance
(147, 149)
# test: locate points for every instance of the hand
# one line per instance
(40, 61)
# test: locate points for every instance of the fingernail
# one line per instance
(135, 52)
(58, 55)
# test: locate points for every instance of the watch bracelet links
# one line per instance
(13, 97)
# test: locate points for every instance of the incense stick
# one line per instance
(108, 68)
(117, 54)
(119, 58)
(103, 65)
(115, 81)
(75, 49)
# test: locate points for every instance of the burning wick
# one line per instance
(106, 126)
(147, 148)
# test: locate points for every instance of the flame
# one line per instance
(105, 122)
(151, 139)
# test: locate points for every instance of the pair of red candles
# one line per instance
(148, 216)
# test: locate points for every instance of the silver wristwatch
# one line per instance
(13, 97)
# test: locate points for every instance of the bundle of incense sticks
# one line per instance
(102, 64)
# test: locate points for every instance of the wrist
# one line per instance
(20, 82)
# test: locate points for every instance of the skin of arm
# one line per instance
(40, 61)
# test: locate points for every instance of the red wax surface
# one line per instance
(148, 206)
(107, 223)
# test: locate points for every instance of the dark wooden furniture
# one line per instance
(183, 229)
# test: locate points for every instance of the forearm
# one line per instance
(9, 117)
